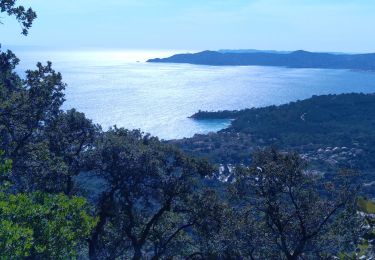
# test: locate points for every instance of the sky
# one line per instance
(315, 25)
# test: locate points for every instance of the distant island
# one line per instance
(296, 59)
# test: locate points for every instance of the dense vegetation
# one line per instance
(297, 59)
(331, 130)
(336, 120)
(70, 190)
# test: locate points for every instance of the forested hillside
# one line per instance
(332, 131)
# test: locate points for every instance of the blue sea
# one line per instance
(120, 88)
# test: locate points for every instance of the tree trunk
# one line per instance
(69, 186)
(137, 253)
(103, 214)
(92, 250)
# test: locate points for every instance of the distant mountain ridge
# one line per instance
(269, 51)
(252, 51)
(296, 59)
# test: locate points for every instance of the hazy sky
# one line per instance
(317, 25)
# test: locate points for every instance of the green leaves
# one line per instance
(5, 165)
(43, 225)
(15, 240)
(39, 224)
(148, 201)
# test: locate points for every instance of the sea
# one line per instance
(118, 87)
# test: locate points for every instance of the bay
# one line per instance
(117, 87)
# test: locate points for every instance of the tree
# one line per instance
(24, 16)
(214, 229)
(45, 143)
(69, 137)
(40, 225)
(43, 226)
(297, 209)
(27, 107)
(144, 211)
(5, 167)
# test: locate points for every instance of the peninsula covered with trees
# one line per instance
(296, 59)
(329, 131)
(70, 190)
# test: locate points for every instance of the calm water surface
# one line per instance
(112, 88)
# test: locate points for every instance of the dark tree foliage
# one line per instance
(214, 231)
(69, 136)
(45, 143)
(298, 212)
(27, 107)
(145, 211)
(24, 16)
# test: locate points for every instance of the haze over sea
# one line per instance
(112, 88)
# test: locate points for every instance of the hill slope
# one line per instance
(331, 131)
